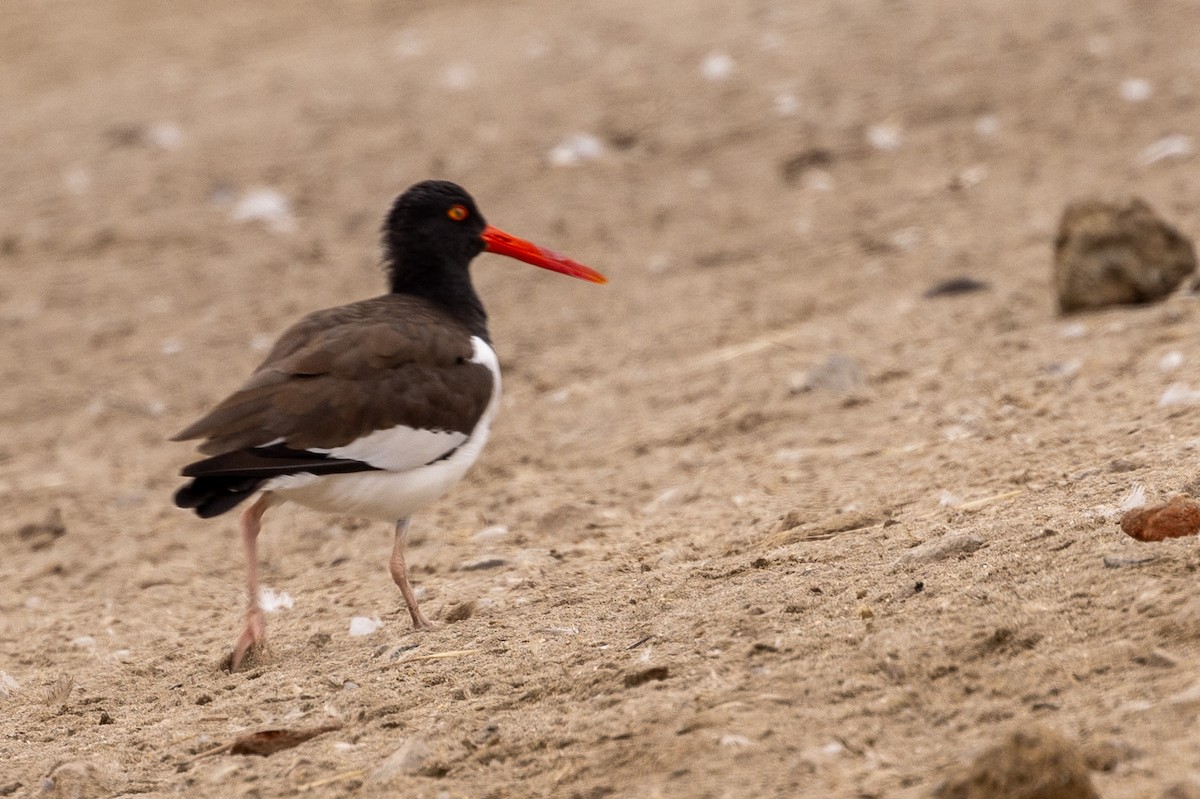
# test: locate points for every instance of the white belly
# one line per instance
(393, 495)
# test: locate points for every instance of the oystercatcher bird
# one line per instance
(375, 408)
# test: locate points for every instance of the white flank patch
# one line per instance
(406, 483)
(271, 602)
(399, 448)
(361, 625)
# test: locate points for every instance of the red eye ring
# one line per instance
(458, 212)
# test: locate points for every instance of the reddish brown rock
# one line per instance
(1179, 517)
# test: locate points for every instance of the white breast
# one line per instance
(407, 481)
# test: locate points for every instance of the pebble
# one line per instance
(955, 286)
(885, 138)
(496, 531)
(1108, 254)
(840, 374)
(948, 546)
(408, 759)
(577, 149)
(1174, 146)
(267, 206)
(1023, 765)
(481, 564)
(1113, 562)
(717, 66)
(1179, 394)
(1136, 90)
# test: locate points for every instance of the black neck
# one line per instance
(446, 285)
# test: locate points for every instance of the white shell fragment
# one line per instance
(267, 206)
(1176, 145)
(361, 626)
(271, 602)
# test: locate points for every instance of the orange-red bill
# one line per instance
(501, 243)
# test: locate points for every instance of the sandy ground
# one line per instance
(672, 573)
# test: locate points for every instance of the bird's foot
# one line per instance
(420, 623)
(250, 642)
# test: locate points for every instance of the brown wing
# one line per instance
(340, 374)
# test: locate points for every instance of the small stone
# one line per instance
(1161, 658)
(1175, 145)
(1109, 254)
(1113, 562)
(652, 674)
(577, 149)
(8, 684)
(460, 612)
(795, 167)
(1179, 394)
(400, 649)
(840, 374)
(40, 535)
(487, 734)
(948, 546)
(717, 66)
(1179, 517)
(885, 138)
(735, 741)
(105, 718)
(493, 533)
(1106, 755)
(955, 286)
(1136, 90)
(408, 759)
(1032, 762)
(481, 564)
(265, 205)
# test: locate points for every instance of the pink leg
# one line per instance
(255, 629)
(400, 575)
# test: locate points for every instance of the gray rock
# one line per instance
(1109, 254)
(409, 758)
(948, 546)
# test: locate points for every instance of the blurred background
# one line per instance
(772, 188)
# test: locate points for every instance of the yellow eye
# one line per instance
(458, 212)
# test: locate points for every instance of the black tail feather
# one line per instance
(212, 496)
(223, 481)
